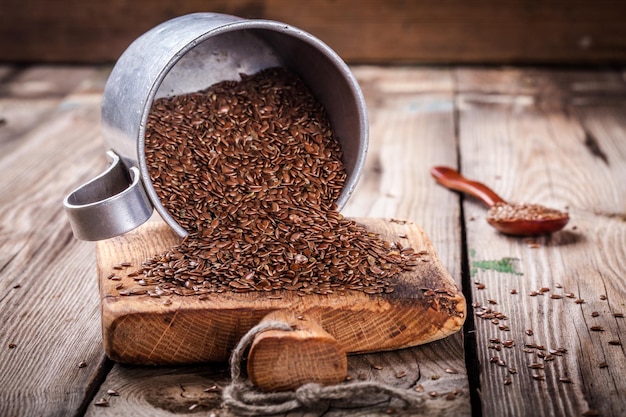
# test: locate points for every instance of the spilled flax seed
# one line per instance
(252, 170)
(519, 212)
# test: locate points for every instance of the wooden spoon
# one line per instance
(511, 219)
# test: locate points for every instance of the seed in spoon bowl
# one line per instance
(523, 211)
(526, 219)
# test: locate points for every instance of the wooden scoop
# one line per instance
(512, 219)
(425, 305)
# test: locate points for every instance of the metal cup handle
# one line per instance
(113, 203)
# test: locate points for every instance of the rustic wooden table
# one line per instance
(554, 136)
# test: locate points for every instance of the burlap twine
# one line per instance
(241, 397)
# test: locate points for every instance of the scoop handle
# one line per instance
(452, 179)
(110, 204)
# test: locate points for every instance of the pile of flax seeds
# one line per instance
(251, 169)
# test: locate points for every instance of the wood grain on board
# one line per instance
(140, 329)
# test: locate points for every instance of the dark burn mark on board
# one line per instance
(398, 330)
(594, 147)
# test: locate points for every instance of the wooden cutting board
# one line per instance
(425, 305)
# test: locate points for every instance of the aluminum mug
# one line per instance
(188, 54)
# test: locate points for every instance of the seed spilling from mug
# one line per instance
(251, 169)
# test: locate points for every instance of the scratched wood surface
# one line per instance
(48, 297)
(558, 138)
(539, 135)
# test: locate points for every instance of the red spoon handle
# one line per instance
(452, 179)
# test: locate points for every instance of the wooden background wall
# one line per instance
(372, 31)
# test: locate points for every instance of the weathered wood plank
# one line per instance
(45, 81)
(559, 139)
(412, 127)
(485, 31)
(185, 391)
(48, 290)
(18, 116)
(31, 97)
